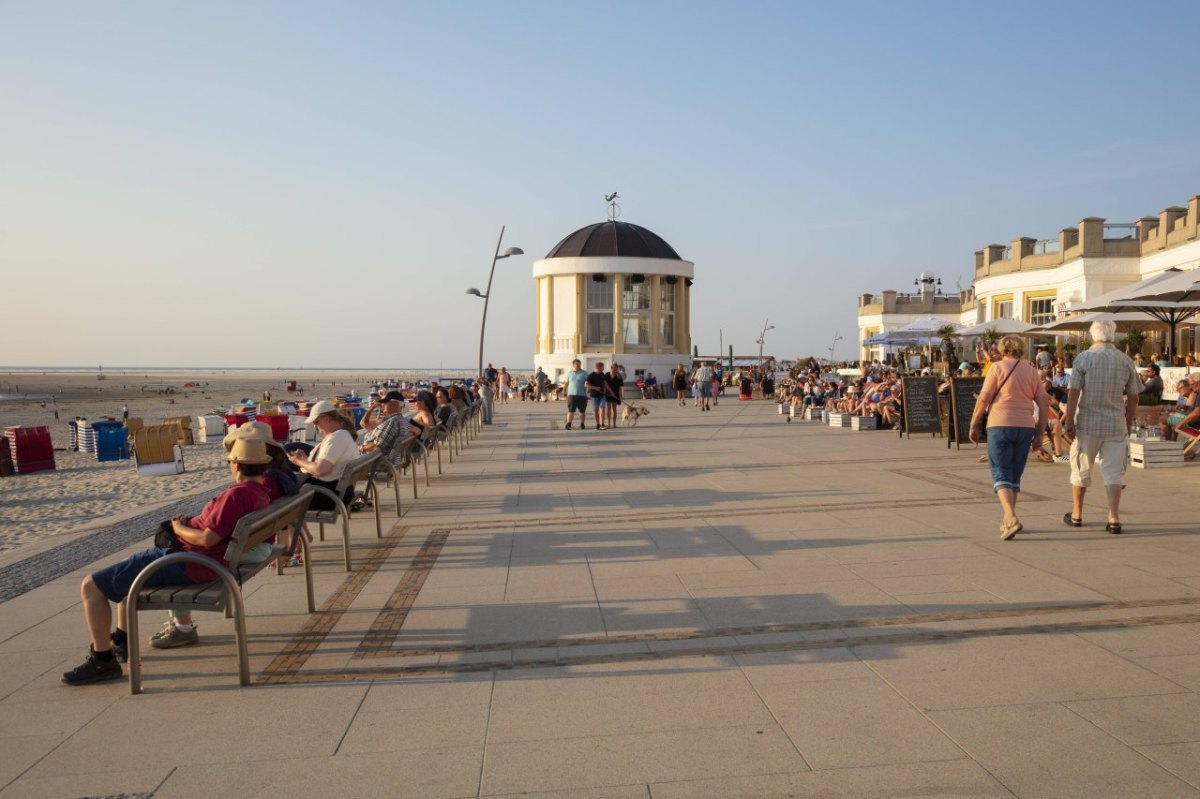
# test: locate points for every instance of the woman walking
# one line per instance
(679, 382)
(1005, 406)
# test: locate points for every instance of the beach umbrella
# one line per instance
(1177, 286)
(1004, 327)
(928, 325)
(1169, 312)
(1075, 324)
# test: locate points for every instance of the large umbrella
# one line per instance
(1169, 312)
(1004, 327)
(1075, 324)
(927, 325)
(1178, 286)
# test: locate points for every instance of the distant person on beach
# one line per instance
(1101, 404)
(206, 534)
(125, 413)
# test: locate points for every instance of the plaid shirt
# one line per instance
(1104, 376)
(392, 429)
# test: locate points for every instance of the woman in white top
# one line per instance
(324, 465)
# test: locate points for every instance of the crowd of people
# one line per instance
(1025, 406)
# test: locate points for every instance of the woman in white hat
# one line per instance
(325, 464)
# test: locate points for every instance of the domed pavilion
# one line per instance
(613, 291)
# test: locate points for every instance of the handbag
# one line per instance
(165, 538)
(979, 429)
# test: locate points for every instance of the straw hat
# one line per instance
(251, 431)
(324, 406)
(248, 450)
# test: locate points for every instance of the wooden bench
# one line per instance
(362, 468)
(225, 594)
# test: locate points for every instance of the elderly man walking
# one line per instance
(1101, 405)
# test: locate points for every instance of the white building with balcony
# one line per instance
(1040, 281)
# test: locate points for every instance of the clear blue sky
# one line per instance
(315, 184)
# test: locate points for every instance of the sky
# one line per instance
(316, 185)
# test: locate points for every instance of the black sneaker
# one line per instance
(582, 426)
(568, 425)
(93, 670)
(121, 651)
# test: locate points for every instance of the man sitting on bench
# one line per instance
(206, 534)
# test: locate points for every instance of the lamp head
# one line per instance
(476, 292)
(511, 251)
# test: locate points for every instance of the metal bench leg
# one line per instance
(438, 444)
(233, 595)
(412, 467)
(308, 576)
(425, 463)
(375, 503)
(321, 527)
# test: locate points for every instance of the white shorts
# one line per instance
(1112, 454)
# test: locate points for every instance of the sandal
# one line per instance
(1113, 527)
(1071, 520)
(1008, 532)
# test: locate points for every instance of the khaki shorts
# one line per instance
(1111, 453)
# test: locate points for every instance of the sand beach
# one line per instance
(82, 494)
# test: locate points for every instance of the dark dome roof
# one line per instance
(606, 239)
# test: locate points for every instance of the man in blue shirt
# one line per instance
(577, 395)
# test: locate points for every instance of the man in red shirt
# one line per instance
(206, 534)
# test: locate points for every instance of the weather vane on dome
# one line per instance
(614, 210)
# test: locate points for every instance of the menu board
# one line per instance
(920, 400)
(963, 393)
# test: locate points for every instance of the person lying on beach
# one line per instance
(206, 534)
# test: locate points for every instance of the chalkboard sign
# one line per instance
(920, 400)
(963, 393)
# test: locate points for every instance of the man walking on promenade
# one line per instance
(703, 377)
(1101, 406)
(577, 394)
(597, 389)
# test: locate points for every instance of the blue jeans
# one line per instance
(1007, 450)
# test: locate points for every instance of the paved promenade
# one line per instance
(709, 605)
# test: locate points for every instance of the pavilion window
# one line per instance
(635, 311)
(599, 313)
(666, 314)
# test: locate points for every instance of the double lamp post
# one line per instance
(487, 293)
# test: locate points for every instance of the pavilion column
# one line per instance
(618, 317)
(655, 313)
(580, 315)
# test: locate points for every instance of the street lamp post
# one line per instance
(762, 338)
(488, 292)
(836, 339)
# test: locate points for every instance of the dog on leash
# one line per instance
(631, 413)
